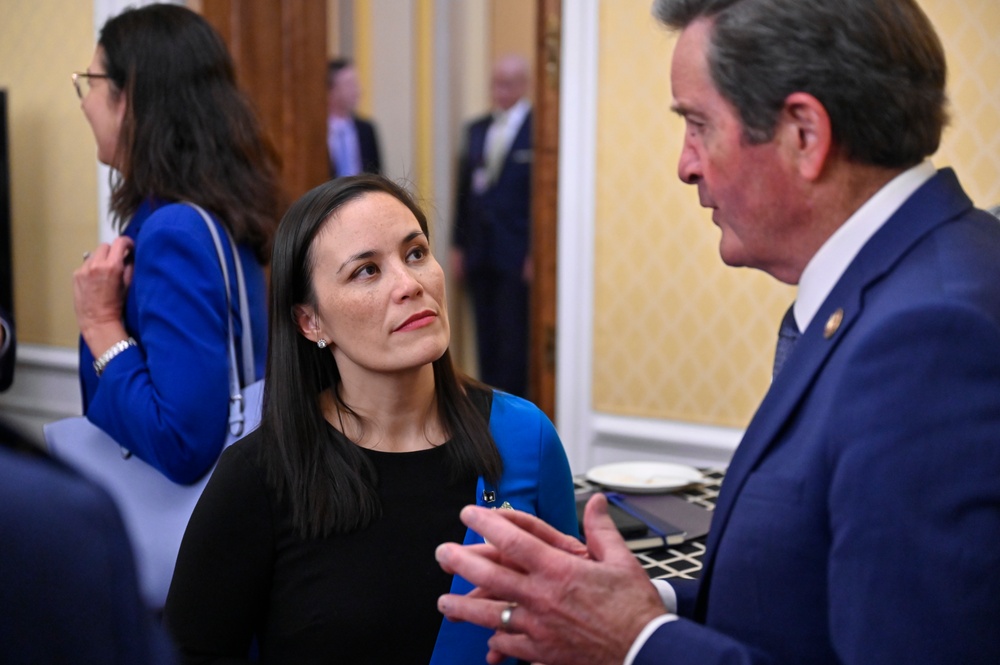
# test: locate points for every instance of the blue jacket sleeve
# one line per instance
(167, 399)
(537, 480)
(556, 496)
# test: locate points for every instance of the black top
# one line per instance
(365, 597)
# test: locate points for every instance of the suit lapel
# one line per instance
(477, 142)
(937, 201)
(522, 140)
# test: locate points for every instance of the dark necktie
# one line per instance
(788, 334)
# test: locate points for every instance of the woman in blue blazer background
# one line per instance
(161, 98)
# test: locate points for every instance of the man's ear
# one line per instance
(810, 135)
(307, 322)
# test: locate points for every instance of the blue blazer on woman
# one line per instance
(167, 398)
(860, 516)
(537, 480)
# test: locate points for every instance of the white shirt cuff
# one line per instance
(667, 595)
(644, 635)
(669, 598)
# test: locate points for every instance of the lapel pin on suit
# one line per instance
(833, 323)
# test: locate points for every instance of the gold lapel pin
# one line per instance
(833, 323)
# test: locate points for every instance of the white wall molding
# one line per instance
(442, 131)
(391, 85)
(575, 278)
(46, 387)
(618, 439)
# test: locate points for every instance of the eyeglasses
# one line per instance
(76, 76)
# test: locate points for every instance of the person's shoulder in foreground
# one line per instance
(68, 587)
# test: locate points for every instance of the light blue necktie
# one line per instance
(347, 164)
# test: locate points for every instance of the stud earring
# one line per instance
(321, 343)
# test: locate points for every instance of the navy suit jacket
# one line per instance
(859, 521)
(371, 158)
(493, 227)
(68, 588)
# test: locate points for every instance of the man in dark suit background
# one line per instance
(68, 587)
(352, 143)
(491, 238)
(859, 516)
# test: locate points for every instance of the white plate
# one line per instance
(644, 477)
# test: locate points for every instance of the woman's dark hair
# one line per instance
(329, 482)
(188, 133)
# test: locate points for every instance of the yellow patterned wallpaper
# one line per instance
(678, 335)
(969, 31)
(53, 167)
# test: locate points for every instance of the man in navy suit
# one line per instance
(859, 517)
(491, 237)
(352, 143)
(68, 587)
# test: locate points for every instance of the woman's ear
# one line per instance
(307, 322)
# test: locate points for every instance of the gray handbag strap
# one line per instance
(235, 389)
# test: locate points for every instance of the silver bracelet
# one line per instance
(110, 354)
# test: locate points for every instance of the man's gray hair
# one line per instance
(877, 66)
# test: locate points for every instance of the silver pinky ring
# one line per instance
(86, 255)
(505, 616)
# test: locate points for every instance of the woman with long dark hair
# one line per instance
(315, 537)
(161, 98)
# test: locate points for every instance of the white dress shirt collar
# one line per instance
(514, 116)
(335, 122)
(828, 265)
